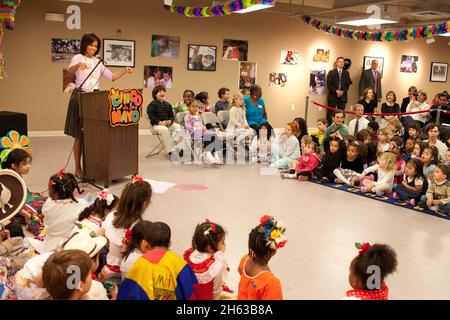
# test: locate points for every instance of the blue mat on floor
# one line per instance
(385, 199)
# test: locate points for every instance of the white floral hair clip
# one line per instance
(106, 195)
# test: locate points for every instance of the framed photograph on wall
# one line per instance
(438, 72)
(367, 63)
(63, 50)
(158, 76)
(201, 57)
(317, 81)
(165, 46)
(289, 57)
(119, 53)
(247, 74)
(409, 64)
(235, 50)
(277, 79)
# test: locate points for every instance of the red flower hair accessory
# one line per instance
(212, 228)
(137, 179)
(127, 237)
(60, 174)
(363, 247)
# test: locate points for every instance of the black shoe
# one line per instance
(324, 180)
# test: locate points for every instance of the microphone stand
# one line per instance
(84, 178)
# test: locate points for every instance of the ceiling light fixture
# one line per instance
(367, 20)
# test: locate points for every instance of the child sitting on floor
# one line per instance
(159, 274)
(134, 201)
(332, 159)
(419, 146)
(319, 134)
(12, 250)
(306, 164)
(430, 158)
(60, 211)
(19, 161)
(257, 281)
(373, 128)
(370, 258)
(386, 173)
(137, 245)
(287, 149)
(351, 166)
(437, 197)
(206, 258)
(92, 217)
(400, 165)
(414, 184)
(409, 149)
(58, 272)
(383, 141)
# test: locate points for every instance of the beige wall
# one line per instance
(34, 83)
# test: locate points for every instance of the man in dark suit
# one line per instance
(371, 78)
(338, 83)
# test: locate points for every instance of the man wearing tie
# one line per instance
(360, 122)
(338, 83)
(371, 78)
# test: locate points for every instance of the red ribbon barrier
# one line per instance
(377, 114)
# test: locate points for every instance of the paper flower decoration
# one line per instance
(13, 140)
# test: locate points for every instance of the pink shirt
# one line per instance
(92, 83)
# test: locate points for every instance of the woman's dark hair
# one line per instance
(15, 157)
(418, 165)
(302, 127)
(189, 91)
(434, 153)
(131, 204)
(87, 40)
(366, 92)
(260, 252)
(100, 207)
(254, 88)
(374, 125)
(202, 96)
(141, 231)
(380, 255)
(63, 185)
(156, 90)
(201, 241)
(422, 145)
(431, 126)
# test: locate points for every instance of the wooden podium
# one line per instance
(108, 152)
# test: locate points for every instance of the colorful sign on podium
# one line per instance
(125, 107)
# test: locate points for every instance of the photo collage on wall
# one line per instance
(317, 75)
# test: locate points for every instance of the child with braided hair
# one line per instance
(206, 258)
(133, 202)
(368, 271)
(257, 281)
(60, 211)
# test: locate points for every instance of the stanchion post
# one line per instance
(306, 108)
(438, 117)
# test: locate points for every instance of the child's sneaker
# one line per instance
(288, 175)
(412, 202)
(324, 180)
(395, 196)
(363, 189)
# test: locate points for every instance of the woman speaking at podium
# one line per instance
(88, 69)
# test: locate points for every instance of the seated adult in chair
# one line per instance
(162, 119)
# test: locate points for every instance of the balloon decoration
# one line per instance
(216, 11)
(347, 63)
(7, 12)
(409, 34)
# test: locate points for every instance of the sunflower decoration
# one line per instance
(273, 231)
(13, 140)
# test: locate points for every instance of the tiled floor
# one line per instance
(322, 223)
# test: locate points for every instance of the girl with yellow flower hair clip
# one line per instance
(257, 281)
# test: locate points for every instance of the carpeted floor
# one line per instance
(322, 223)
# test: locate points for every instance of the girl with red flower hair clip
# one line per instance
(368, 271)
(207, 260)
(257, 281)
(133, 202)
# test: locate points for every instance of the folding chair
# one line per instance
(211, 118)
(160, 146)
(180, 117)
(223, 116)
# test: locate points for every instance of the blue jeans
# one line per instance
(444, 208)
